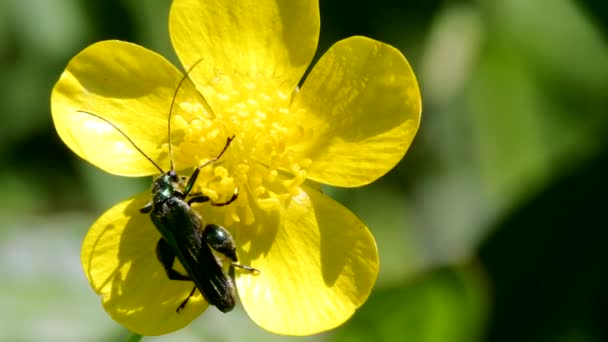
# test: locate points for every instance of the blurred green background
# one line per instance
(492, 228)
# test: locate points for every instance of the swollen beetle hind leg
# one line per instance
(220, 240)
(165, 255)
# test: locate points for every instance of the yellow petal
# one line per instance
(128, 85)
(119, 259)
(357, 113)
(318, 263)
(246, 42)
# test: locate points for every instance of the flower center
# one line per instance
(258, 163)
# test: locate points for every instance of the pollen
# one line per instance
(258, 164)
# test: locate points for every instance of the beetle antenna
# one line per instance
(124, 135)
(171, 109)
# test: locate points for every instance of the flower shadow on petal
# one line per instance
(368, 86)
(321, 267)
(360, 100)
(109, 87)
(348, 131)
(294, 45)
(109, 68)
(347, 247)
(260, 235)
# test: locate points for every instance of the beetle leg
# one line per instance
(147, 208)
(183, 304)
(198, 199)
(165, 255)
(235, 195)
(246, 268)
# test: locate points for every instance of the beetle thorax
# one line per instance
(165, 187)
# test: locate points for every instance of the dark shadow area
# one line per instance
(547, 263)
(598, 11)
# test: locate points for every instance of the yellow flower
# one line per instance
(351, 122)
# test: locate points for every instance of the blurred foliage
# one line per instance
(547, 262)
(489, 230)
(445, 304)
